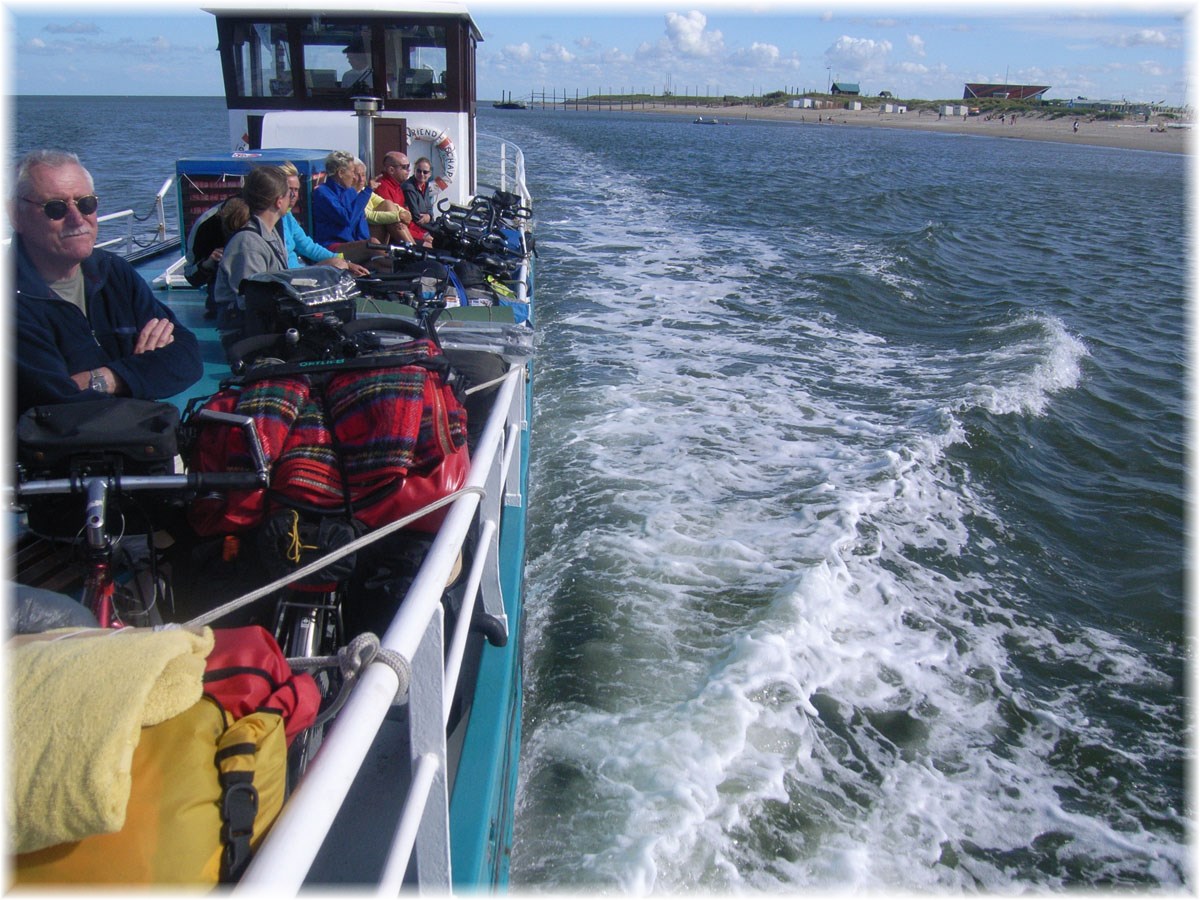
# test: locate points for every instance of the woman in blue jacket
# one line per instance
(340, 209)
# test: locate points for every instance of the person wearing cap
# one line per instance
(359, 75)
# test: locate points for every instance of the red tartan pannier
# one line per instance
(398, 433)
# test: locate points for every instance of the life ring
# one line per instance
(445, 150)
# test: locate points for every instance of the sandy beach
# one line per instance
(1127, 134)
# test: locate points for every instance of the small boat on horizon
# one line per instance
(509, 103)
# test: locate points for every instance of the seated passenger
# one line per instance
(339, 209)
(205, 244)
(418, 197)
(87, 324)
(256, 246)
(386, 221)
(303, 250)
(391, 187)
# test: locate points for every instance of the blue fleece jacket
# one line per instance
(54, 339)
(339, 214)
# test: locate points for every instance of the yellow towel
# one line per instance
(78, 699)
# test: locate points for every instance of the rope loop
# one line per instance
(363, 650)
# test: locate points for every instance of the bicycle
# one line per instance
(99, 479)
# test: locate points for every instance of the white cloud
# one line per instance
(1144, 37)
(764, 58)
(518, 52)
(687, 35)
(556, 53)
(766, 55)
(916, 44)
(858, 55)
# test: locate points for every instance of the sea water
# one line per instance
(857, 508)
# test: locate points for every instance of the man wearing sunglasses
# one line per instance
(87, 324)
(391, 187)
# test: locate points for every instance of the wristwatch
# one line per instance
(99, 382)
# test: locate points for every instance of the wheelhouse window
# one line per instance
(295, 61)
(337, 59)
(417, 64)
(262, 60)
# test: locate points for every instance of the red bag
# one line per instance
(416, 491)
(396, 434)
(247, 672)
(274, 404)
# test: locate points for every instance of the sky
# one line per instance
(1099, 50)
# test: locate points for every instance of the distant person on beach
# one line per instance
(301, 249)
(256, 246)
(88, 325)
(1075, 126)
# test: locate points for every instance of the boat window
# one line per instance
(262, 60)
(337, 59)
(416, 61)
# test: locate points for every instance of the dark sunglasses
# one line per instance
(424, 171)
(57, 209)
(395, 165)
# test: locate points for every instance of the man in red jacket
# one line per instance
(391, 187)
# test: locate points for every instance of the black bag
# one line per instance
(115, 435)
(140, 435)
(289, 540)
(277, 301)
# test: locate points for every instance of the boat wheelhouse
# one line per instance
(297, 72)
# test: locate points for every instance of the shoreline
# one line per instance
(1123, 135)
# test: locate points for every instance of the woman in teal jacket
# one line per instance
(300, 246)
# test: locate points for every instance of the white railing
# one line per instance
(507, 171)
(126, 244)
(416, 634)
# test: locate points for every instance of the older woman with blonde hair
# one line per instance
(339, 209)
(386, 221)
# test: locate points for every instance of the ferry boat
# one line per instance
(415, 790)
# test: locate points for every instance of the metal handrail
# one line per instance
(512, 167)
(286, 855)
(129, 216)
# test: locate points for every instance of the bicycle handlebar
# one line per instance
(198, 481)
